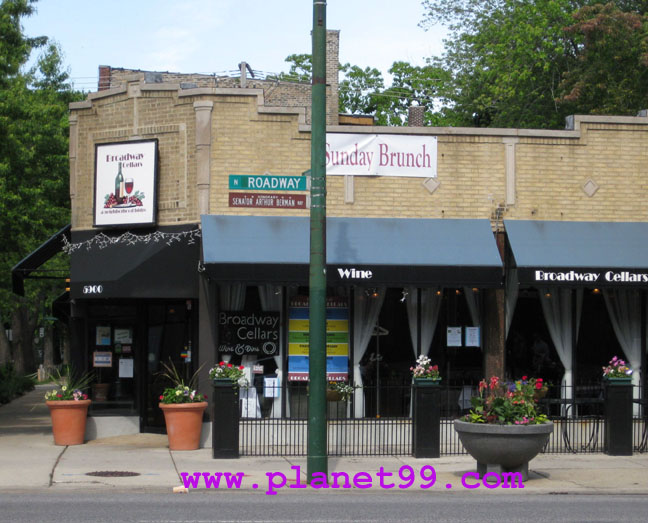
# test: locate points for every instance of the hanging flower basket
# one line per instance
(333, 395)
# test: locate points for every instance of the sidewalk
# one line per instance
(30, 461)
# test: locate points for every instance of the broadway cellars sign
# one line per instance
(248, 332)
(591, 277)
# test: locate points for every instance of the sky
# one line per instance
(214, 36)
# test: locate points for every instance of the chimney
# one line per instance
(332, 70)
(416, 116)
(104, 77)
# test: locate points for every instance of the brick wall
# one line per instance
(596, 171)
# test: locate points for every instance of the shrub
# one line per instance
(11, 384)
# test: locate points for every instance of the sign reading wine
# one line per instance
(125, 183)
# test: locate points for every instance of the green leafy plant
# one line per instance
(180, 392)
(508, 403)
(11, 384)
(69, 385)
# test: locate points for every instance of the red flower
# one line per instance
(241, 367)
(222, 363)
(161, 397)
(205, 396)
(229, 365)
(59, 396)
(538, 385)
(524, 377)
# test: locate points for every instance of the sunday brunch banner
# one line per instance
(381, 155)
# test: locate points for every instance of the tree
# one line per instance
(531, 63)
(610, 73)
(34, 201)
(362, 90)
(507, 58)
(413, 85)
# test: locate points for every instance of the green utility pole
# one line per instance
(317, 460)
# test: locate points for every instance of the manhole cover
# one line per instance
(112, 474)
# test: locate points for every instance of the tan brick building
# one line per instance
(155, 288)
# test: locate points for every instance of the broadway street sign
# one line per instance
(268, 183)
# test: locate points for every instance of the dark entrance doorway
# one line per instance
(169, 335)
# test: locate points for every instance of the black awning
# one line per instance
(31, 263)
(369, 251)
(136, 266)
(593, 254)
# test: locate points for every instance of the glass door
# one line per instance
(168, 342)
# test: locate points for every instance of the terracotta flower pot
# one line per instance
(68, 421)
(183, 424)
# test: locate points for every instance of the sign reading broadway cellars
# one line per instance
(125, 191)
(248, 332)
(589, 276)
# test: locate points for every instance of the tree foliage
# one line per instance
(610, 73)
(34, 201)
(363, 91)
(531, 63)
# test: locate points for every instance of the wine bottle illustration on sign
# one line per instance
(119, 185)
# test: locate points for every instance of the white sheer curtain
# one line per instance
(512, 291)
(624, 308)
(474, 307)
(366, 309)
(557, 309)
(271, 297)
(431, 299)
(231, 298)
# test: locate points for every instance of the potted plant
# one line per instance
(424, 373)
(227, 379)
(183, 409)
(617, 371)
(227, 371)
(338, 391)
(68, 405)
(504, 430)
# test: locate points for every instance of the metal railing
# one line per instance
(371, 424)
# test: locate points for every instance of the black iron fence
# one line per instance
(374, 422)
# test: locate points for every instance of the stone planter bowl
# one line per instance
(503, 448)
